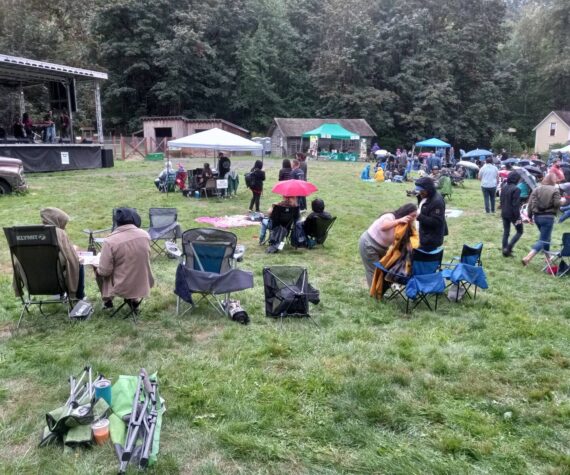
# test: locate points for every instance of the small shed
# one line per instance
(175, 127)
(553, 129)
(286, 135)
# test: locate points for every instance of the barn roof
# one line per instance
(296, 127)
(186, 119)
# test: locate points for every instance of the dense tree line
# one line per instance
(462, 70)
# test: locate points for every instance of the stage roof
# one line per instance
(15, 71)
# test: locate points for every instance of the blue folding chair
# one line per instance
(466, 271)
(425, 280)
(207, 268)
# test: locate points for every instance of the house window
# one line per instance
(552, 129)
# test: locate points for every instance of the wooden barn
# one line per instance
(286, 135)
(176, 127)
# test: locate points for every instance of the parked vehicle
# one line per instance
(11, 176)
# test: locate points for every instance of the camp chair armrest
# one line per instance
(97, 231)
(453, 262)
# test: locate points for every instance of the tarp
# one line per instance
(216, 139)
(433, 142)
(562, 150)
(54, 158)
(332, 131)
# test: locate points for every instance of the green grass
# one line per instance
(478, 387)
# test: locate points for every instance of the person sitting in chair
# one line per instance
(318, 211)
(124, 264)
(267, 223)
(74, 273)
(203, 177)
(161, 181)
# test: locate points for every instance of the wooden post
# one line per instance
(122, 147)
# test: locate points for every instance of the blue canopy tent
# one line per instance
(433, 142)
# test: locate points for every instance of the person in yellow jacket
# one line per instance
(379, 175)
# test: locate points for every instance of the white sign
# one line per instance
(65, 158)
(222, 184)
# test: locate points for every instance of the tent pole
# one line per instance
(98, 112)
(69, 112)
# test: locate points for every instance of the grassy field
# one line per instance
(478, 387)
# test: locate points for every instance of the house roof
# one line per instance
(297, 127)
(564, 116)
(186, 119)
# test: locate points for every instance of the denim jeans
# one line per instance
(489, 196)
(50, 134)
(265, 224)
(544, 223)
(507, 229)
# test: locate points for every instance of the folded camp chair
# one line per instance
(207, 268)
(555, 263)
(319, 228)
(425, 280)
(466, 271)
(163, 227)
(288, 292)
(39, 270)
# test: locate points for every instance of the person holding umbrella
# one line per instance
(489, 176)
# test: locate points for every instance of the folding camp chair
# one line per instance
(38, 268)
(168, 185)
(425, 280)
(282, 220)
(554, 260)
(163, 227)
(207, 268)
(288, 292)
(96, 239)
(319, 228)
(210, 187)
(466, 271)
(132, 309)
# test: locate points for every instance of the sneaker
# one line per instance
(108, 305)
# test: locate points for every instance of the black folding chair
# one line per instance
(282, 220)
(163, 227)
(288, 292)
(554, 260)
(319, 228)
(39, 269)
(208, 269)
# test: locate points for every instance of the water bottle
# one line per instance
(196, 194)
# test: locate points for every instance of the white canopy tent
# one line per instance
(562, 150)
(216, 139)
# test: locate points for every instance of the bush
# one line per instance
(506, 141)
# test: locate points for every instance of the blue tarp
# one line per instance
(433, 142)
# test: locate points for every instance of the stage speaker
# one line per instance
(107, 158)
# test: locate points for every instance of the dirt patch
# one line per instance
(202, 336)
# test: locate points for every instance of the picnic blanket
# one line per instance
(235, 221)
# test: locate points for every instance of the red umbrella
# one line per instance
(294, 188)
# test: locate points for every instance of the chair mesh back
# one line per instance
(284, 215)
(471, 255)
(162, 217)
(208, 249)
(426, 262)
(35, 258)
(286, 291)
(322, 228)
(565, 252)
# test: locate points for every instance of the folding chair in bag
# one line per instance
(466, 271)
(207, 268)
(288, 292)
(319, 229)
(163, 227)
(554, 260)
(39, 269)
(424, 280)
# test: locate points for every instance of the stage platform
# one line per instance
(54, 157)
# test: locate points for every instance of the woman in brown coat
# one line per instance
(74, 276)
(124, 265)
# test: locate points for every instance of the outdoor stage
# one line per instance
(55, 157)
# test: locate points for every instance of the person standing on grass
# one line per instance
(511, 212)
(431, 215)
(285, 173)
(489, 176)
(303, 163)
(297, 174)
(375, 241)
(257, 186)
(543, 204)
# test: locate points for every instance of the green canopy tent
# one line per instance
(331, 131)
